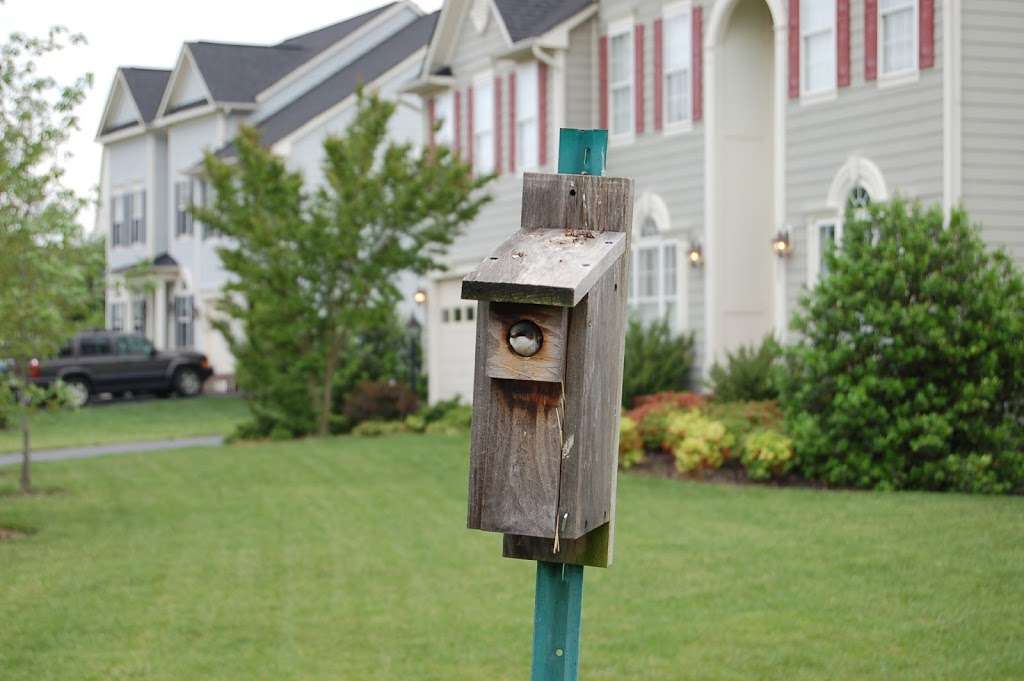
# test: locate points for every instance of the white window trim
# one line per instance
(809, 97)
(685, 125)
(814, 244)
(615, 29)
(908, 75)
(482, 79)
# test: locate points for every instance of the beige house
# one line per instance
(748, 125)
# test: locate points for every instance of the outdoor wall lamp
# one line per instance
(695, 255)
(420, 297)
(781, 245)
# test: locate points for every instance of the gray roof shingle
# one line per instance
(529, 18)
(237, 73)
(345, 81)
(147, 88)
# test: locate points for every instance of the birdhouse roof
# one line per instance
(545, 267)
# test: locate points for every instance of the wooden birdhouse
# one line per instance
(548, 382)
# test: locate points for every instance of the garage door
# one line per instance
(451, 342)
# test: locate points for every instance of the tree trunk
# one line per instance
(327, 398)
(26, 454)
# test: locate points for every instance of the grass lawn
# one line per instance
(347, 559)
(130, 422)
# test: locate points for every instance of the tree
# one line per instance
(313, 270)
(39, 236)
(909, 370)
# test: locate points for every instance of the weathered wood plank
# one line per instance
(577, 202)
(593, 549)
(513, 474)
(544, 266)
(549, 362)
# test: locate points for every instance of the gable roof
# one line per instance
(147, 87)
(344, 82)
(529, 18)
(237, 73)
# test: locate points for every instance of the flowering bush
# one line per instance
(631, 447)
(698, 442)
(766, 454)
(651, 414)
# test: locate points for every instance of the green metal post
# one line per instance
(558, 605)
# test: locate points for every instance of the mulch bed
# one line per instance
(663, 465)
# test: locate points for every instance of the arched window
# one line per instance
(655, 282)
(827, 234)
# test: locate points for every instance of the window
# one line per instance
(483, 126)
(138, 217)
(654, 285)
(897, 20)
(527, 108)
(445, 315)
(826, 235)
(139, 315)
(91, 346)
(470, 313)
(818, 42)
(203, 197)
(443, 112)
(457, 314)
(620, 82)
(117, 316)
(117, 221)
(677, 58)
(183, 322)
(182, 203)
(133, 345)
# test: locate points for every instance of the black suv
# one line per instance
(112, 362)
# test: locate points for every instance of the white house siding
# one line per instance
(186, 143)
(898, 128)
(993, 119)
(669, 165)
(127, 170)
(581, 76)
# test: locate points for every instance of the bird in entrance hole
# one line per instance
(525, 338)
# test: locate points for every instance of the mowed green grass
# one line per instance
(348, 559)
(130, 422)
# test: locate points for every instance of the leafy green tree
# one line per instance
(655, 360)
(41, 293)
(909, 372)
(313, 270)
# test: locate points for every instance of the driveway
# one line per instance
(120, 448)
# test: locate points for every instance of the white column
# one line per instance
(160, 315)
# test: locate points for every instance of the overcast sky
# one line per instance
(134, 33)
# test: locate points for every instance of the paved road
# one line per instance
(120, 448)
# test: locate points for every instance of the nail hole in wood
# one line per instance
(572, 192)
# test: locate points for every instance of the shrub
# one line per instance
(380, 401)
(376, 428)
(766, 454)
(909, 372)
(455, 421)
(631, 446)
(748, 374)
(435, 412)
(742, 418)
(415, 423)
(655, 360)
(651, 414)
(699, 443)
(6, 404)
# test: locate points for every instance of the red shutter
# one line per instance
(430, 122)
(542, 113)
(638, 76)
(926, 34)
(843, 43)
(512, 122)
(498, 160)
(697, 45)
(659, 74)
(870, 39)
(602, 60)
(458, 121)
(794, 49)
(469, 124)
